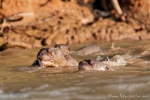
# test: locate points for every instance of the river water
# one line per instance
(126, 82)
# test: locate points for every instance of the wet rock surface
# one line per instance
(51, 22)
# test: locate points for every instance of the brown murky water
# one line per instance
(132, 81)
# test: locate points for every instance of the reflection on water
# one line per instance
(19, 82)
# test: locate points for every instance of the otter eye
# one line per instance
(68, 48)
(91, 62)
(66, 56)
(107, 68)
(48, 50)
(59, 47)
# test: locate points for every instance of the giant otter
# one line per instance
(86, 50)
(54, 57)
(89, 49)
(93, 65)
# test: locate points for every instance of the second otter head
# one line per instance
(93, 65)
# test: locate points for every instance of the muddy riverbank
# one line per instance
(50, 22)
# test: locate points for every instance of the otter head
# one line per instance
(45, 58)
(93, 65)
(55, 57)
(86, 65)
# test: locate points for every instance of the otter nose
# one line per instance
(91, 62)
(81, 64)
